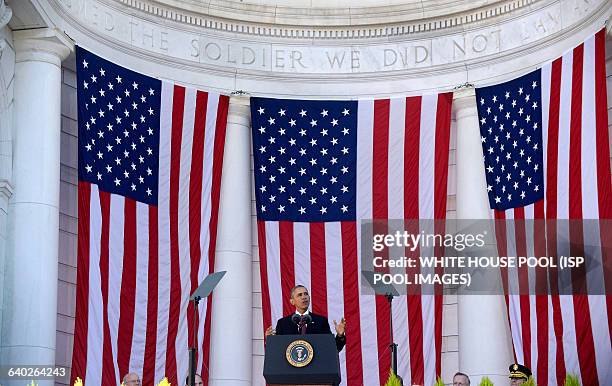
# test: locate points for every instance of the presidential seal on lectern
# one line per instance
(299, 353)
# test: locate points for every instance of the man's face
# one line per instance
(517, 381)
(132, 380)
(198, 381)
(460, 380)
(301, 299)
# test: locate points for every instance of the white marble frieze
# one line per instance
(175, 36)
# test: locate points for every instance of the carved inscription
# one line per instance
(407, 56)
(540, 25)
(473, 45)
(149, 36)
(216, 51)
(258, 54)
(336, 59)
(92, 13)
(582, 6)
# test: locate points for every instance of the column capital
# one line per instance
(6, 191)
(240, 99)
(5, 14)
(464, 92)
(239, 112)
(42, 45)
(463, 95)
(464, 102)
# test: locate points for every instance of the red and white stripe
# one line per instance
(402, 170)
(139, 263)
(557, 335)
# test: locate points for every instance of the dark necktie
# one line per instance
(302, 326)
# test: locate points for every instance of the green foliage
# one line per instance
(485, 381)
(439, 382)
(571, 380)
(393, 379)
(530, 382)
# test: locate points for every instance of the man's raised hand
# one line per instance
(340, 327)
(270, 331)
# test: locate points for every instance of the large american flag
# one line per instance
(547, 157)
(150, 161)
(320, 168)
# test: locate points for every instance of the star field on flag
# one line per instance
(119, 111)
(510, 117)
(306, 159)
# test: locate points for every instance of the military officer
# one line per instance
(519, 374)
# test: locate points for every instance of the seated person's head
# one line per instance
(131, 379)
(461, 379)
(198, 380)
(519, 374)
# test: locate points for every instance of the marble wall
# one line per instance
(66, 286)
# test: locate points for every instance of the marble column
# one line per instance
(231, 358)
(7, 72)
(30, 297)
(485, 348)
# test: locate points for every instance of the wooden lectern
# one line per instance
(301, 360)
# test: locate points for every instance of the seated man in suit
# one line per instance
(304, 321)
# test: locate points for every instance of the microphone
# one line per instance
(304, 320)
(301, 321)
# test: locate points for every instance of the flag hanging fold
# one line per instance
(547, 157)
(320, 168)
(150, 161)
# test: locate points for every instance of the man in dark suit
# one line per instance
(303, 321)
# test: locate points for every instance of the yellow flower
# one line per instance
(393, 379)
(164, 382)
